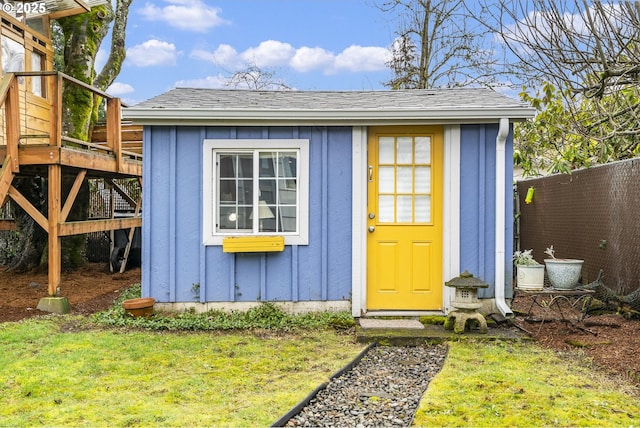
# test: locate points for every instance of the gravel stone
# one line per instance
(382, 390)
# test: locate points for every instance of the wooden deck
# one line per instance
(32, 144)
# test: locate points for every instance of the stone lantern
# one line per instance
(465, 303)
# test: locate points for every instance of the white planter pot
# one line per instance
(564, 273)
(530, 277)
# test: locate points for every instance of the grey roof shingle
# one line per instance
(223, 104)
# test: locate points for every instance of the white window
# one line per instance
(256, 188)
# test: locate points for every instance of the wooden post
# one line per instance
(12, 118)
(114, 130)
(55, 242)
(132, 231)
(55, 118)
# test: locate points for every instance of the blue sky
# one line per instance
(308, 44)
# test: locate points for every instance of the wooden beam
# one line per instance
(73, 193)
(121, 192)
(6, 177)
(132, 232)
(55, 242)
(80, 227)
(23, 203)
(48, 155)
(8, 225)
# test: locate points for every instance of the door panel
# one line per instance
(404, 245)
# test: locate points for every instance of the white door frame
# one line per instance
(450, 227)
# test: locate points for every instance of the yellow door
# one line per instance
(404, 245)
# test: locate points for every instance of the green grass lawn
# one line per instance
(505, 384)
(137, 378)
(66, 371)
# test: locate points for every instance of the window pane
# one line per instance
(228, 218)
(287, 164)
(288, 219)
(405, 209)
(245, 165)
(423, 209)
(287, 191)
(245, 192)
(385, 181)
(235, 165)
(277, 185)
(36, 65)
(268, 191)
(267, 219)
(385, 209)
(385, 150)
(244, 218)
(226, 167)
(423, 149)
(405, 150)
(12, 55)
(267, 164)
(404, 181)
(423, 179)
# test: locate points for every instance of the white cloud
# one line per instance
(362, 58)
(152, 52)
(118, 89)
(192, 15)
(308, 59)
(215, 82)
(269, 53)
(272, 53)
(224, 56)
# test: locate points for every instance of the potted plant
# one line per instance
(563, 273)
(529, 273)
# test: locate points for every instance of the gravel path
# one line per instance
(382, 390)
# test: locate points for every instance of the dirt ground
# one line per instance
(612, 341)
(90, 289)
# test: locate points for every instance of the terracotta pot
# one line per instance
(141, 307)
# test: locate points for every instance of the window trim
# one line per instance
(209, 188)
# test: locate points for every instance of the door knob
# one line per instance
(371, 229)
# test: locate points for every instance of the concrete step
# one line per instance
(411, 332)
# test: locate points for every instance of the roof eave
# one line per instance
(162, 116)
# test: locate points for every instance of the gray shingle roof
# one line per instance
(354, 107)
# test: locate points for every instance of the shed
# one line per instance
(365, 201)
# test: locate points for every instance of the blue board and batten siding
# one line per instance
(477, 205)
(177, 267)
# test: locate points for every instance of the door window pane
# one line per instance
(423, 179)
(423, 209)
(405, 150)
(385, 150)
(385, 209)
(404, 209)
(405, 179)
(423, 150)
(386, 180)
